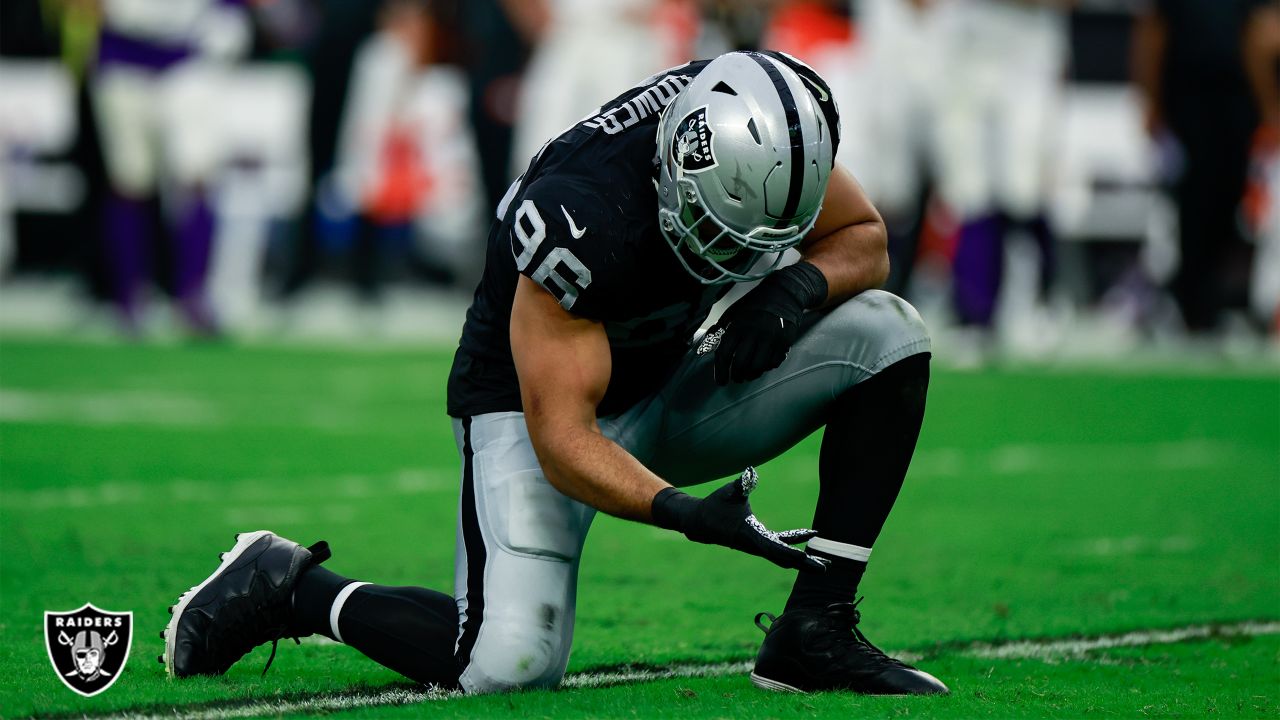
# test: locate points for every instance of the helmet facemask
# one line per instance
(715, 253)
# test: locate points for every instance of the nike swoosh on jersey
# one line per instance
(574, 230)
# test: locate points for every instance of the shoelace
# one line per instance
(271, 658)
(245, 617)
(256, 624)
(319, 553)
(849, 616)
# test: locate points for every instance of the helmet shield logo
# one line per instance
(691, 144)
(88, 647)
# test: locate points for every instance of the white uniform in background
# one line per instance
(425, 106)
(1004, 62)
(148, 130)
(904, 74)
(1264, 289)
(590, 49)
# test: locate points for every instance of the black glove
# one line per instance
(724, 518)
(756, 332)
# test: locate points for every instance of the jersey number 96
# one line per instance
(530, 229)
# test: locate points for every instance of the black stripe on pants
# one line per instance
(473, 542)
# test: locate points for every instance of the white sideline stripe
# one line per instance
(631, 677)
(1030, 649)
(1016, 649)
(335, 611)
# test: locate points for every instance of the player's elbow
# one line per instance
(558, 445)
(878, 272)
(880, 275)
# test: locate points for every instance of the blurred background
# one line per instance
(1060, 179)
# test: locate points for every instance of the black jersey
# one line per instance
(582, 222)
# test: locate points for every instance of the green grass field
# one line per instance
(1042, 505)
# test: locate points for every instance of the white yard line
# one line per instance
(107, 407)
(264, 491)
(989, 463)
(1075, 647)
(318, 704)
(1046, 649)
(640, 675)
(1020, 459)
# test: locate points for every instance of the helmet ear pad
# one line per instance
(744, 156)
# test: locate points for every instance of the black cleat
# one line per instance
(246, 602)
(808, 650)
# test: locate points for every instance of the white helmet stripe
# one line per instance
(793, 129)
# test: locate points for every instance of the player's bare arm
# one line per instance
(845, 253)
(848, 243)
(563, 363)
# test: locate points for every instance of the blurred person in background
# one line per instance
(1004, 61)
(816, 31)
(405, 166)
(584, 51)
(155, 145)
(329, 53)
(1263, 197)
(1206, 70)
(494, 53)
(903, 76)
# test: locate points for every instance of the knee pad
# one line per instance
(876, 329)
(518, 650)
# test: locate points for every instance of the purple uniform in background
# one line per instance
(142, 43)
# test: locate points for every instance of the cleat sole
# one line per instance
(243, 541)
(765, 683)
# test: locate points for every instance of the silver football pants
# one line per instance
(520, 540)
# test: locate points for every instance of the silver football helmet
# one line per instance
(745, 155)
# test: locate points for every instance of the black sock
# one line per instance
(411, 630)
(866, 448)
(313, 597)
(838, 584)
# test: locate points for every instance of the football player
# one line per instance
(995, 141)
(576, 389)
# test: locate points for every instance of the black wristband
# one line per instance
(803, 281)
(670, 508)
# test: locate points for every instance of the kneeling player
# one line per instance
(576, 389)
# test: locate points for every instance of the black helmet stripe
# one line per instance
(793, 130)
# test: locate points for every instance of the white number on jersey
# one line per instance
(548, 274)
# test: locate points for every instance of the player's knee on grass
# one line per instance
(534, 539)
(519, 649)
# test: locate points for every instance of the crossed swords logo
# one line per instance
(89, 649)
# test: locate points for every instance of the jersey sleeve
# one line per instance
(820, 91)
(562, 243)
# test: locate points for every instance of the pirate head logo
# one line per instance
(692, 143)
(88, 647)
